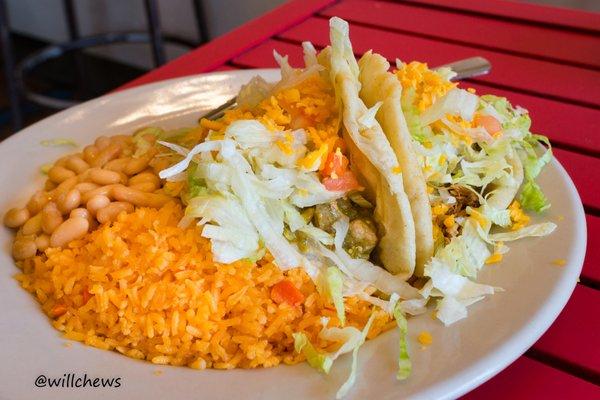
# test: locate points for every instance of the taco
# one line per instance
(476, 154)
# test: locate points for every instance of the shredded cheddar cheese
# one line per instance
(439, 209)
(309, 105)
(494, 258)
(561, 262)
(442, 159)
(425, 338)
(449, 221)
(517, 216)
(308, 161)
(427, 85)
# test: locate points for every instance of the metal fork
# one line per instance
(466, 68)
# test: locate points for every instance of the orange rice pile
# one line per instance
(150, 290)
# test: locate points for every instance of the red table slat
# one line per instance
(575, 335)
(548, 115)
(532, 380)
(262, 56)
(521, 74)
(566, 124)
(591, 266)
(584, 172)
(560, 17)
(573, 47)
(220, 50)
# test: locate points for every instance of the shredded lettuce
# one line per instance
(196, 185)
(58, 142)
(455, 102)
(319, 361)
(458, 291)
(532, 197)
(465, 254)
(334, 284)
(404, 363)
(542, 229)
(226, 223)
(411, 115)
(352, 378)
(494, 215)
(351, 340)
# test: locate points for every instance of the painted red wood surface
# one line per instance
(527, 72)
(575, 335)
(584, 171)
(557, 17)
(543, 78)
(508, 36)
(591, 267)
(533, 380)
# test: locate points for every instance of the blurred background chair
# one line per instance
(16, 74)
(57, 53)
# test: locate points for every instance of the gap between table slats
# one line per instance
(550, 80)
(590, 275)
(515, 38)
(571, 343)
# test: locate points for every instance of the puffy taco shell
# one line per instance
(373, 158)
(379, 85)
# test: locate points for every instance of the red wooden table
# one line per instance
(545, 59)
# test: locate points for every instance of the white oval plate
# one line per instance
(462, 356)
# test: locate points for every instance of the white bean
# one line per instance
(24, 248)
(97, 202)
(15, 217)
(51, 218)
(71, 229)
(112, 211)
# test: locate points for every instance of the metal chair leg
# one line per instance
(71, 17)
(9, 64)
(74, 34)
(156, 40)
(201, 21)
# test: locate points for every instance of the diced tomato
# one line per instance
(335, 164)
(86, 295)
(285, 292)
(343, 183)
(489, 123)
(58, 310)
